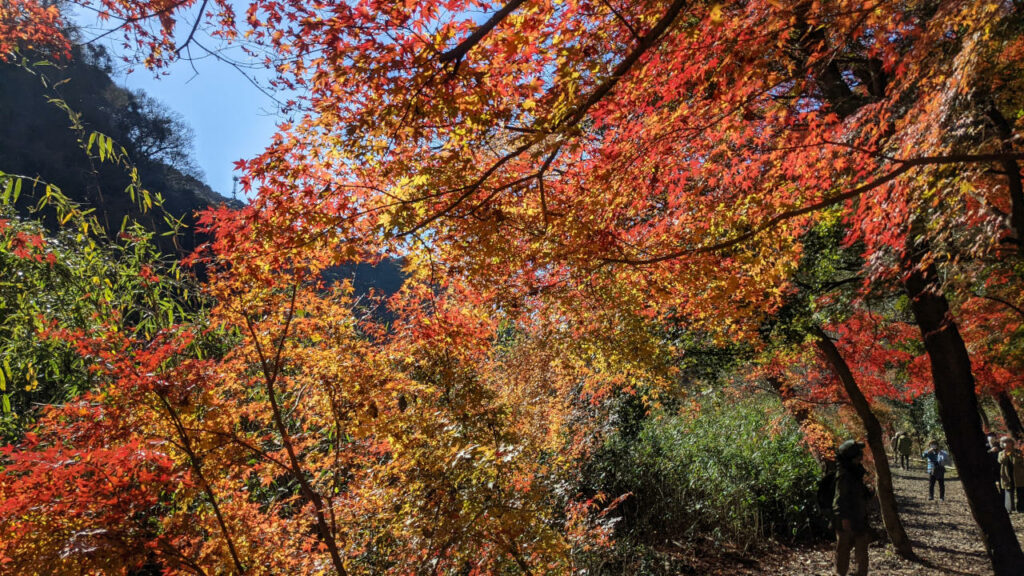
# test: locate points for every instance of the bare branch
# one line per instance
(195, 26)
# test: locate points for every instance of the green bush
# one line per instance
(735, 472)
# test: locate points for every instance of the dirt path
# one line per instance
(943, 533)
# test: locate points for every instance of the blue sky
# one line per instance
(232, 119)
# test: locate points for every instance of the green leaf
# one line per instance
(8, 188)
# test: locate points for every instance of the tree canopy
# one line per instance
(582, 192)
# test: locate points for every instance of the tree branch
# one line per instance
(577, 114)
(195, 462)
(269, 381)
(622, 19)
(623, 68)
(1006, 303)
(459, 52)
(905, 166)
(192, 33)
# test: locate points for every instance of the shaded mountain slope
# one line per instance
(37, 141)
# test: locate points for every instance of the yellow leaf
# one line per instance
(716, 14)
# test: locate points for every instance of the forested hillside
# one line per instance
(38, 141)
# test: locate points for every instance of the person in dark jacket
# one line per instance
(850, 508)
(905, 446)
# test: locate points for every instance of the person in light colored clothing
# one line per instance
(936, 459)
(993, 455)
(1011, 474)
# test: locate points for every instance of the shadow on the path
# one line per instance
(922, 508)
(920, 476)
(941, 569)
(912, 504)
(949, 550)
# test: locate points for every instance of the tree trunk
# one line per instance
(986, 424)
(1013, 179)
(1009, 413)
(958, 410)
(883, 476)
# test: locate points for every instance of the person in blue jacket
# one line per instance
(937, 459)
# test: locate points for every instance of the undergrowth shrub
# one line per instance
(732, 471)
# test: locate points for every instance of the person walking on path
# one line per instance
(993, 453)
(894, 447)
(850, 508)
(936, 459)
(905, 446)
(1011, 474)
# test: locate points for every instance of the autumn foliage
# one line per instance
(31, 25)
(583, 195)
